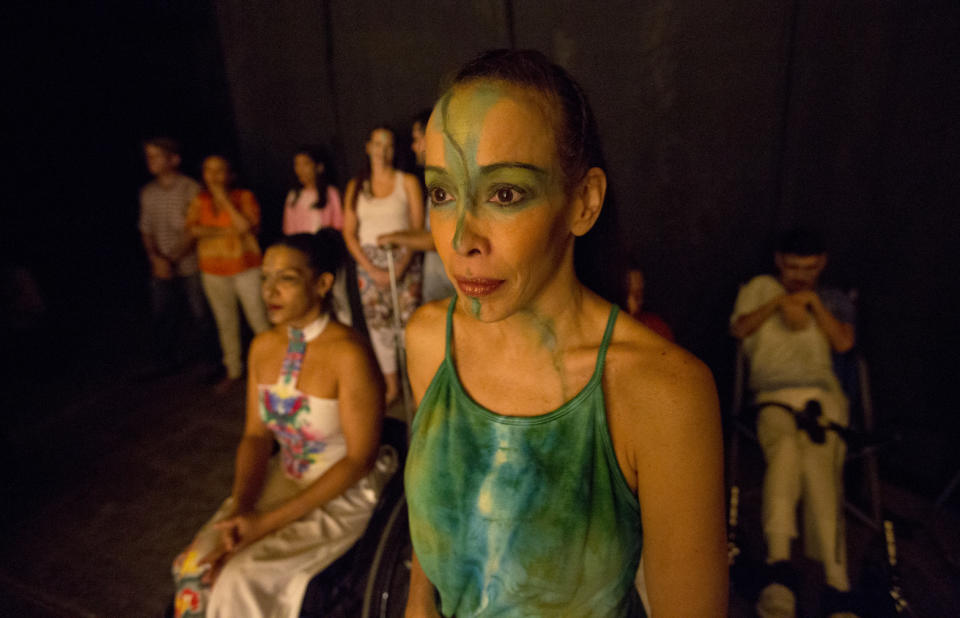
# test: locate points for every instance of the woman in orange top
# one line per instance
(225, 222)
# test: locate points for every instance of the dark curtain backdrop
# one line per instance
(723, 122)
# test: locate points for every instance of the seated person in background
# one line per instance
(634, 305)
(789, 327)
(313, 387)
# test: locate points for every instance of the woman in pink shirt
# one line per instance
(315, 204)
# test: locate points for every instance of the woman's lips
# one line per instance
(478, 288)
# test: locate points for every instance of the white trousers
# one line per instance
(798, 467)
(222, 295)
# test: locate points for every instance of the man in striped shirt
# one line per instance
(175, 279)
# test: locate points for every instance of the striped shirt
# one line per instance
(163, 209)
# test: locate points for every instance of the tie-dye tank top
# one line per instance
(521, 516)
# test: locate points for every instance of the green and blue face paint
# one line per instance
(501, 189)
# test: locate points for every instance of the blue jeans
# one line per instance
(179, 312)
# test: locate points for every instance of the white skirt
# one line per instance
(269, 577)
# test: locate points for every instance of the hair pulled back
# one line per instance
(578, 142)
(324, 250)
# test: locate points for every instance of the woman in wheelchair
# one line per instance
(314, 388)
(555, 437)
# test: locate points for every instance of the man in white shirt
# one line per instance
(790, 328)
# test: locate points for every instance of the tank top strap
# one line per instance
(448, 339)
(607, 336)
(601, 353)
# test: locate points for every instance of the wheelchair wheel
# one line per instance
(386, 592)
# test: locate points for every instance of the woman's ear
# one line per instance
(323, 284)
(588, 201)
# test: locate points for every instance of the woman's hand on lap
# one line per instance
(241, 530)
(217, 558)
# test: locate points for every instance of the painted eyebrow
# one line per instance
(539, 171)
(486, 169)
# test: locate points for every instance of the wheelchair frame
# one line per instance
(873, 518)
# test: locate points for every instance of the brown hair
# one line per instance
(363, 178)
(166, 144)
(578, 142)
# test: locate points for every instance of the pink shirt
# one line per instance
(300, 217)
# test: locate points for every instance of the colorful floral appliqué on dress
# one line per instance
(284, 407)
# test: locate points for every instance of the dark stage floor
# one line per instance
(107, 476)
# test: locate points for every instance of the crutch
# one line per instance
(398, 340)
(391, 561)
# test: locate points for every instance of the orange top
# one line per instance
(233, 252)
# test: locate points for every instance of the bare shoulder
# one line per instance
(348, 192)
(425, 336)
(427, 325)
(351, 351)
(410, 180)
(653, 382)
(266, 346)
(267, 340)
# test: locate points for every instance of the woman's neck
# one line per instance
(311, 315)
(554, 315)
(379, 168)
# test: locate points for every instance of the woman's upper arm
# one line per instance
(287, 203)
(335, 206)
(360, 395)
(679, 464)
(250, 208)
(253, 424)
(193, 213)
(349, 212)
(425, 335)
(415, 201)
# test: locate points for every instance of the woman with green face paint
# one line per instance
(555, 437)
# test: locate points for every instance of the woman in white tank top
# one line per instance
(379, 201)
